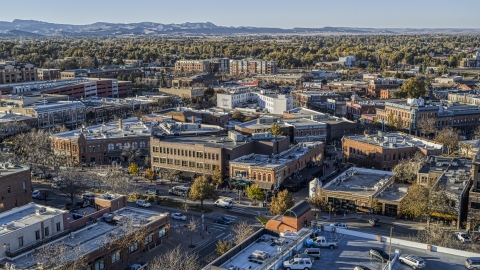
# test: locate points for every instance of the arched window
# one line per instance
(119, 146)
(269, 178)
(254, 176)
(134, 145)
(264, 177)
(142, 144)
(111, 146)
(126, 145)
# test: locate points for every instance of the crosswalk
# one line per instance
(221, 231)
(238, 209)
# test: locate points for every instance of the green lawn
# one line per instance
(262, 220)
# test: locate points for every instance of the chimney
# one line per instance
(193, 119)
(120, 126)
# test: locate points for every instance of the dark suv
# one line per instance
(379, 254)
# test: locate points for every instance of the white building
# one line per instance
(348, 61)
(241, 96)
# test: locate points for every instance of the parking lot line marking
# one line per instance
(218, 236)
(219, 226)
(231, 217)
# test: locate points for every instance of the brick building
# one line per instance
(15, 185)
(356, 108)
(252, 66)
(294, 219)
(13, 72)
(384, 151)
(387, 93)
(102, 144)
(111, 72)
(48, 74)
(376, 85)
(271, 172)
(203, 154)
(182, 114)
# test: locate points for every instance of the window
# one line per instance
(163, 160)
(149, 239)
(269, 178)
(254, 176)
(216, 156)
(99, 265)
(207, 166)
(20, 241)
(116, 256)
(126, 145)
(177, 162)
(24, 185)
(191, 164)
(8, 189)
(162, 232)
(199, 155)
(170, 161)
(47, 231)
(37, 235)
(134, 145)
(200, 165)
(111, 146)
(184, 163)
(58, 226)
(156, 159)
(133, 248)
(119, 146)
(143, 144)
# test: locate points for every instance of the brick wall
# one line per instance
(12, 192)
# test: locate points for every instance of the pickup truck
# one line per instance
(320, 241)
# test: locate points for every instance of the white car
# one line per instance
(35, 194)
(143, 203)
(178, 216)
(138, 266)
(55, 186)
(412, 260)
(462, 236)
(151, 192)
(341, 225)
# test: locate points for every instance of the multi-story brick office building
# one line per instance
(104, 143)
(384, 151)
(13, 72)
(253, 66)
(15, 186)
(269, 172)
(203, 154)
(112, 72)
(356, 108)
(375, 85)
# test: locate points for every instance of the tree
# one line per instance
(201, 190)
(317, 202)
(254, 192)
(425, 200)
(405, 171)
(149, 174)
(239, 116)
(192, 226)
(242, 231)
(449, 137)
(476, 133)
(217, 177)
(223, 247)
(133, 169)
(34, 148)
(411, 88)
(175, 259)
(427, 126)
(74, 183)
(281, 203)
(60, 256)
(275, 128)
(130, 154)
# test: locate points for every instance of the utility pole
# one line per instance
(390, 250)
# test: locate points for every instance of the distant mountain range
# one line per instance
(32, 28)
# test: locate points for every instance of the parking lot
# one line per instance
(353, 251)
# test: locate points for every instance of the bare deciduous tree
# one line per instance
(427, 126)
(449, 137)
(242, 231)
(175, 259)
(74, 182)
(60, 256)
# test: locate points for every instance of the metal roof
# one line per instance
(298, 209)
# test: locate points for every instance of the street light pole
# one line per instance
(390, 250)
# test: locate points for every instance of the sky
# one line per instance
(258, 13)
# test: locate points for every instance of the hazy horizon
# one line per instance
(272, 14)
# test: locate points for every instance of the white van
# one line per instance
(298, 263)
(226, 203)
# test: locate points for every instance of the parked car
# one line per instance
(222, 220)
(77, 216)
(35, 194)
(413, 261)
(472, 263)
(298, 263)
(320, 241)
(379, 254)
(178, 216)
(151, 192)
(108, 217)
(463, 236)
(143, 203)
(227, 203)
(139, 266)
(88, 196)
(342, 225)
(56, 186)
(314, 253)
(374, 222)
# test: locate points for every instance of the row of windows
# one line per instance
(185, 153)
(184, 163)
(118, 146)
(386, 157)
(37, 234)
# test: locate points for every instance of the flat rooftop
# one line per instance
(10, 168)
(242, 261)
(26, 215)
(212, 141)
(131, 127)
(395, 140)
(360, 181)
(91, 237)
